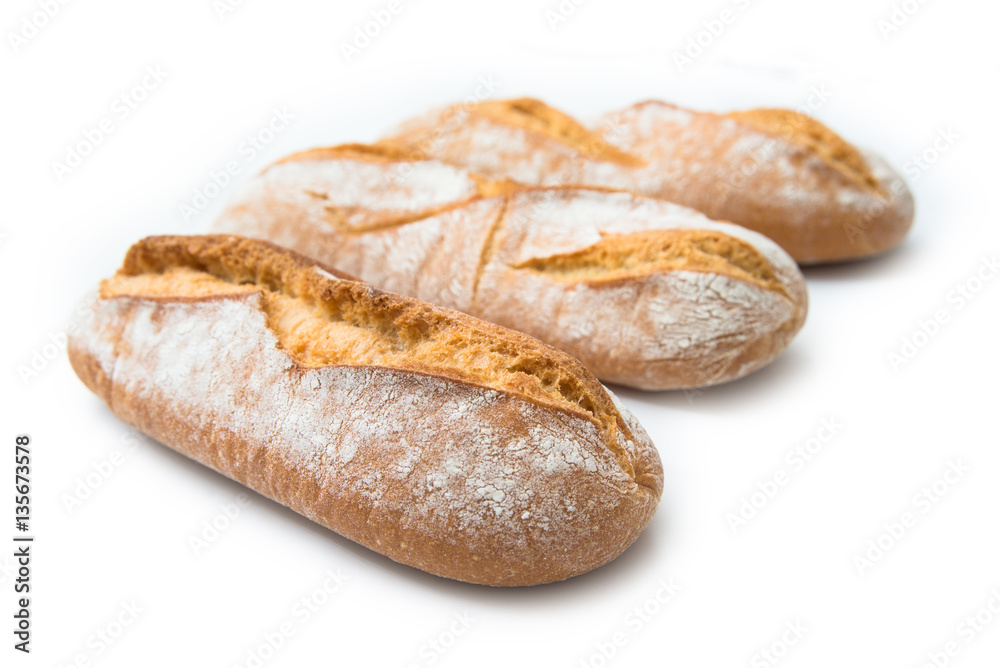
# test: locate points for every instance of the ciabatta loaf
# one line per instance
(775, 171)
(645, 293)
(441, 441)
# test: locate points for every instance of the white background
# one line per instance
(793, 563)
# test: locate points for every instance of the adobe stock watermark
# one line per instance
(921, 503)
(435, 648)
(211, 529)
(899, 15)
(40, 357)
(301, 612)
(53, 346)
(107, 635)
(32, 24)
(712, 29)
(220, 179)
(815, 99)
(486, 88)
(915, 168)
(795, 461)
(966, 632)
(692, 394)
(859, 227)
(771, 655)
(99, 472)
(956, 300)
(365, 34)
(122, 107)
(562, 12)
(632, 624)
(603, 140)
(920, 163)
(223, 8)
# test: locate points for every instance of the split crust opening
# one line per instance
(616, 257)
(323, 318)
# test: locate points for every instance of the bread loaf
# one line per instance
(441, 441)
(645, 293)
(775, 171)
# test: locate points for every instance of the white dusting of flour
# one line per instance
(447, 459)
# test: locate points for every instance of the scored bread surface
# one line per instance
(775, 171)
(644, 292)
(441, 441)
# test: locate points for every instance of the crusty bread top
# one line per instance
(620, 256)
(369, 209)
(323, 317)
(536, 116)
(808, 132)
(371, 152)
(614, 257)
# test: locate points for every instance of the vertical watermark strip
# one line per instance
(23, 543)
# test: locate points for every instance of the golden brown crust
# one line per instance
(816, 137)
(619, 256)
(774, 171)
(396, 332)
(372, 152)
(645, 293)
(536, 116)
(389, 156)
(178, 346)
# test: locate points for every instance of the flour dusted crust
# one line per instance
(775, 171)
(645, 293)
(443, 442)
(697, 322)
